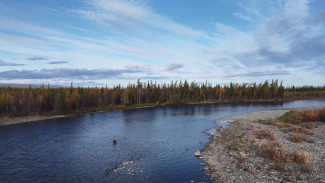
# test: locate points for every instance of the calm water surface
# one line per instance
(160, 142)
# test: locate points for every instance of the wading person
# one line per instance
(114, 140)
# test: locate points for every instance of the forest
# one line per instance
(70, 100)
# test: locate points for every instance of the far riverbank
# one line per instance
(24, 119)
(8, 120)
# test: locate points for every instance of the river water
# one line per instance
(153, 144)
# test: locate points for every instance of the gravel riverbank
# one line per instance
(256, 147)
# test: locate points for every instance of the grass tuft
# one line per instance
(241, 156)
(265, 134)
(297, 137)
(253, 140)
(301, 158)
(274, 151)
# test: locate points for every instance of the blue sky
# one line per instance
(94, 42)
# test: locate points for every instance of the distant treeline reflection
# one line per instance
(69, 100)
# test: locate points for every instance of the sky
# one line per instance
(99, 42)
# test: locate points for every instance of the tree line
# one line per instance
(64, 100)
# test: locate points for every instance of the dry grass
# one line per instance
(274, 151)
(253, 140)
(266, 122)
(297, 137)
(300, 158)
(289, 159)
(321, 115)
(283, 124)
(241, 156)
(308, 125)
(299, 130)
(308, 132)
(297, 117)
(230, 136)
(265, 134)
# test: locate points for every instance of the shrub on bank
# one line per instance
(321, 115)
(300, 158)
(274, 151)
(297, 137)
(297, 117)
(265, 134)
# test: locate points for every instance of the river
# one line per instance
(153, 144)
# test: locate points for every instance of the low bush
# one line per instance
(241, 156)
(297, 137)
(299, 130)
(252, 140)
(321, 115)
(265, 134)
(283, 124)
(309, 125)
(297, 117)
(300, 157)
(308, 132)
(274, 151)
(310, 115)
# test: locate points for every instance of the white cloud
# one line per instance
(244, 17)
(132, 16)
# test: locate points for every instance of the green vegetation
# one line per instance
(266, 122)
(71, 100)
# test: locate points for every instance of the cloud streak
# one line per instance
(58, 62)
(66, 73)
(3, 63)
(244, 17)
(37, 58)
(132, 16)
(258, 74)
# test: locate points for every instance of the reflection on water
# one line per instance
(147, 115)
(159, 142)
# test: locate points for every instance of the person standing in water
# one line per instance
(114, 140)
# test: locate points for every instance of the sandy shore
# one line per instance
(24, 119)
(242, 152)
